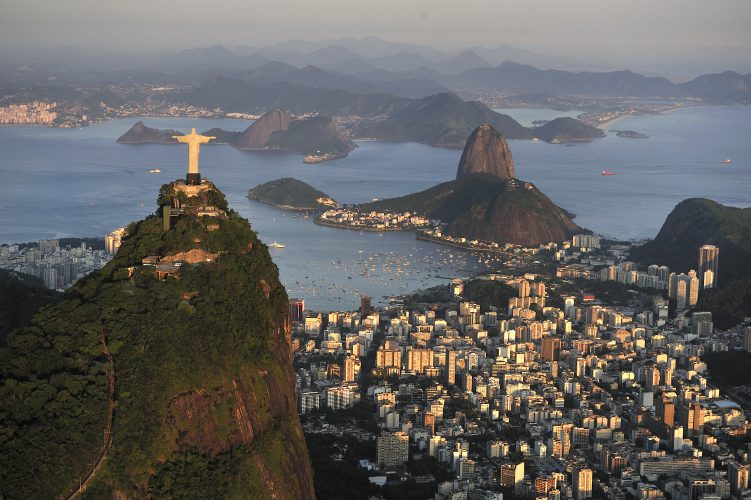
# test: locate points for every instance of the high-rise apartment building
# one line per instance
(365, 306)
(351, 368)
(665, 410)
(296, 310)
(551, 349)
(419, 359)
(512, 476)
(393, 449)
(738, 475)
(112, 240)
(451, 367)
(582, 483)
(709, 256)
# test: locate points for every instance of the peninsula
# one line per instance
(486, 204)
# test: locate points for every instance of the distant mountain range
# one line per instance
(442, 120)
(475, 69)
(373, 65)
(519, 78)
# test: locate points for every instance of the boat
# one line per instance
(275, 244)
(726, 160)
(607, 172)
(155, 171)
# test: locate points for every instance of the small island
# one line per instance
(292, 194)
(630, 134)
(566, 129)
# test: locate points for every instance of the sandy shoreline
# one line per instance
(604, 125)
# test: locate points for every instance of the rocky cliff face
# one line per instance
(486, 152)
(155, 380)
(258, 134)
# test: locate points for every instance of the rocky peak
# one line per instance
(486, 152)
(258, 134)
(140, 133)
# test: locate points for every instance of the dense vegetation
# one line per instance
(729, 304)
(489, 293)
(729, 368)
(21, 296)
(289, 193)
(340, 478)
(485, 207)
(567, 129)
(695, 222)
(206, 344)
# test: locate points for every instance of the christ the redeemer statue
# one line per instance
(194, 142)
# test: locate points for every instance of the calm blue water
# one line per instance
(62, 182)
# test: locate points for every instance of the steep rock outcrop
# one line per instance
(142, 134)
(258, 134)
(317, 135)
(196, 366)
(486, 201)
(486, 152)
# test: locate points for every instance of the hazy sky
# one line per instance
(605, 29)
